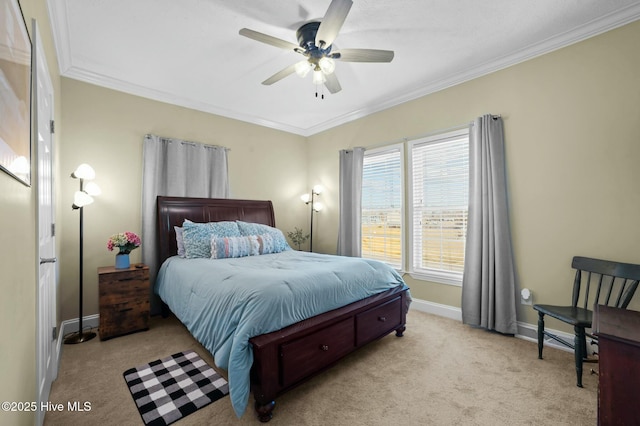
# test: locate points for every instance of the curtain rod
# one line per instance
(183, 142)
(425, 135)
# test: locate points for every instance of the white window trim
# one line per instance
(403, 176)
(442, 277)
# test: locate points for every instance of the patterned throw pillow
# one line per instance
(224, 248)
(179, 240)
(269, 244)
(279, 241)
(197, 236)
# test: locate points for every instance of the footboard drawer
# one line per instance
(378, 321)
(302, 357)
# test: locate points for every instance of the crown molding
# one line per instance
(57, 14)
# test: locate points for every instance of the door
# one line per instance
(47, 362)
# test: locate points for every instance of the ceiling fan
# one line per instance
(315, 42)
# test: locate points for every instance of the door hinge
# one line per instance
(53, 229)
(52, 125)
(54, 333)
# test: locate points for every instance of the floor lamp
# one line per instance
(315, 207)
(82, 198)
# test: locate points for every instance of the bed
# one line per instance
(304, 335)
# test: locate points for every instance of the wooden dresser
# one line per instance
(124, 300)
(618, 332)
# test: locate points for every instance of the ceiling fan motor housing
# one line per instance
(306, 35)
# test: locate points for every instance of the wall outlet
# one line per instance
(526, 297)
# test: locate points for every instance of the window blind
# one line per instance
(440, 194)
(382, 193)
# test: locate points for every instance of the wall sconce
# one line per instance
(315, 207)
(82, 198)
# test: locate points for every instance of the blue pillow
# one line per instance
(224, 248)
(197, 236)
(279, 241)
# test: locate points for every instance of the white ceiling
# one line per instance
(189, 52)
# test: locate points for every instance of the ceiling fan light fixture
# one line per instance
(318, 76)
(327, 65)
(303, 68)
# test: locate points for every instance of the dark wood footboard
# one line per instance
(288, 357)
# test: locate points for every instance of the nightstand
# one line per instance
(124, 300)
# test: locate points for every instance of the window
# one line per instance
(439, 205)
(382, 195)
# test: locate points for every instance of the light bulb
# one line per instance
(84, 171)
(318, 76)
(327, 65)
(318, 189)
(317, 207)
(305, 198)
(303, 68)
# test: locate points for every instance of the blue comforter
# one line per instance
(225, 302)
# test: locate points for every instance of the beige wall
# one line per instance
(18, 261)
(105, 128)
(572, 126)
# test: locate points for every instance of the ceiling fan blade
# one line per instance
(332, 83)
(332, 22)
(264, 38)
(280, 75)
(363, 55)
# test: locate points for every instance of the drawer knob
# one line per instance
(382, 319)
(324, 347)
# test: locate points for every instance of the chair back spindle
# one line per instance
(614, 283)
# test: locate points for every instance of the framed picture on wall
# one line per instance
(15, 92)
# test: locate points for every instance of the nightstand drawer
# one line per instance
(110, 275)
(119, 292)
(123, 318)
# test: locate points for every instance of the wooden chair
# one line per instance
(605, 283)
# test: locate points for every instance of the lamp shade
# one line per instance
(327, 65)
(302, 68)
(318, 77)
(81, 199)
(305, 198)
(317, 207)
(92, 189)
(84, 171)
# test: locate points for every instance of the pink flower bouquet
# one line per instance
(124, 242)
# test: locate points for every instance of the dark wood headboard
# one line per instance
(172, 211)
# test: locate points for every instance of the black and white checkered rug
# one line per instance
(170, 388)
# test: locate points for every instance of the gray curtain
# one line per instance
(349, 232)
(177, 168)
(488, 283)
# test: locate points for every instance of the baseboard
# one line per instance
(446, 311)
(71, 326)
(526, 331)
